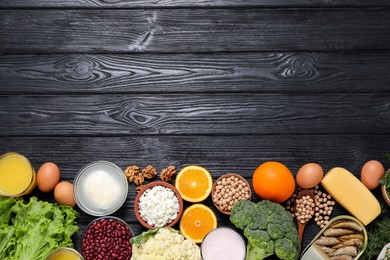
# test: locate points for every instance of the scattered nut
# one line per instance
(139, 188)
(168, 173)
(131, 171)
(139, 180)
(149, 172)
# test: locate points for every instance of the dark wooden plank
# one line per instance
(218, 154)
(195, 114)
(183, 3)
(230, 72)
(193, 30)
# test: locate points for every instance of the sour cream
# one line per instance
(100, 188)
(223, 243)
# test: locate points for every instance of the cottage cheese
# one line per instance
(158, 206)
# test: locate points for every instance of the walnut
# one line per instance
(139, 180)
(131, 171)
(168, 173)
(139, 188)
(149, 172)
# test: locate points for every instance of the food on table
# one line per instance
(48, 177)
(323, 209)
(309, 175)
(197, 221)
(64, 253)
(304, 208)
(273, 181)
(223, 243)
(32, 230)
(149, 172)
(385, 181)
(164, 243)
(137, 176)
(228, 189)
(342, 239)
(370, 174)
(269, 228)
(385, 253)
(378, 236)
(63, 194)
(17, 176)
(194, 183)
(134, 175)
(100, 188)
(347, 190)
(107, 238)
(158, 206)
(168, 173)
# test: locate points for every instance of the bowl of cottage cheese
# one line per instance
(158, 204)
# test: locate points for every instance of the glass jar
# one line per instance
(17, 176)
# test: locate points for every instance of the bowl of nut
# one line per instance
(158, 204)
(227, 190)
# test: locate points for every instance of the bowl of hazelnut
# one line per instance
(227, 190)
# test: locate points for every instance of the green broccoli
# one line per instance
(269, 229)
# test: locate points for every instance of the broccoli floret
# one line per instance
(260, 245)
(241, 213)
(286, 249)
(269, 229)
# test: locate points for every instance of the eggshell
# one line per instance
(48, 177)
(63, 194)
(371, 172)
(309, 175)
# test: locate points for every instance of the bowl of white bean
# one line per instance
(158, 204)
(227, 190)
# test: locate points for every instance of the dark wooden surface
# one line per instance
(223, 84)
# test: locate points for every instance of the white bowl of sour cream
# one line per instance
(100, 188)
(223, 243)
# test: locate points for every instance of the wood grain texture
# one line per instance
(226, 72)
(184, 3)
(193, 30)
(218, 154)
(195, 114)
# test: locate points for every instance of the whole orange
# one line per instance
(273, 181)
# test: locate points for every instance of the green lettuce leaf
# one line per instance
(38, 228)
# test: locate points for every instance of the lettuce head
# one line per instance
(30, 231)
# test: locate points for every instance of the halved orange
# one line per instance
(196, 221)
(194, 183)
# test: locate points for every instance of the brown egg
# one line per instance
(371, 172)
(48, 177)
(63, 194)
(309, 175)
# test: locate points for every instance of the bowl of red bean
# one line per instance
(227, 190)
(107, 238)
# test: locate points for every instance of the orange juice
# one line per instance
(17, 177)
(64, 253)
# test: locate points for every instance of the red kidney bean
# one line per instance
(107, 239)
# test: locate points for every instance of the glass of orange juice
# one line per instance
(17, 176)
(64, 253)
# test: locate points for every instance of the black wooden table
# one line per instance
(219, 83)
